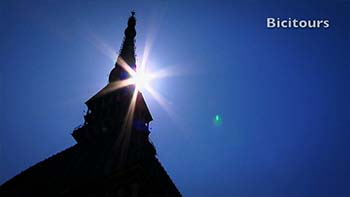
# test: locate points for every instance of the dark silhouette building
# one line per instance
(113, 155)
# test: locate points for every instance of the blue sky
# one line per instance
(282, 93)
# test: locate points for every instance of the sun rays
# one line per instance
(142, 79)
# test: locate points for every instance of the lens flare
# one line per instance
(217, 120)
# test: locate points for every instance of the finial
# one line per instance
(133, 13)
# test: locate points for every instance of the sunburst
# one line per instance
(142, 79)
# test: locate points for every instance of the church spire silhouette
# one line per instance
(127, 52)
(113, 155)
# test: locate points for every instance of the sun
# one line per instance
(142, 79)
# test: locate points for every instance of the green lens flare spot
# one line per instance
(217, 120)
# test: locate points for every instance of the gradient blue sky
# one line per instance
(283, 94)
